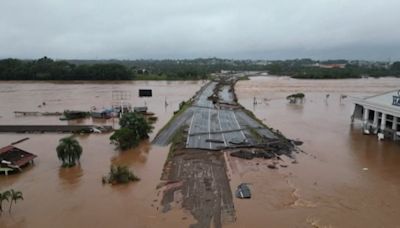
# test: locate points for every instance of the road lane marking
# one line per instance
(234, 115)
(220, 127)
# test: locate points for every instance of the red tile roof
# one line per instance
(15, 155)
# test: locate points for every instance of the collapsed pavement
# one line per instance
(211, 124)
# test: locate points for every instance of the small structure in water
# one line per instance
(380, 114)
(243, 191)
(102, 113)
(13, 158)
(71, 115)
(140, 109)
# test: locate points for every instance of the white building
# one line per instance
(380, 114)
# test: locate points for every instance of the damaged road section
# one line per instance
(206, 127)
(198, 179)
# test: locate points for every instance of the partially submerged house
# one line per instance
(13, 158)
(380, 114)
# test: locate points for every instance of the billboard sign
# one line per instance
(145, 93)
(396, 99)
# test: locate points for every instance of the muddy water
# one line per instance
(329, 186)
(56, 197)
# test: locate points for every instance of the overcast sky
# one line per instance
(255, 29)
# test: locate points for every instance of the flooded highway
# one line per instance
(328, 187)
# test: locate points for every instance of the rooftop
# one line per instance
(388, 102)
(15, 157)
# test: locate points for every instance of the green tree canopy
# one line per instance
(137, 123)
(4, 196)
(69, 151)
(15, 196)
(134, 128)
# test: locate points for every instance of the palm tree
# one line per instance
(4, 197)
(69, 151)
(15, 196)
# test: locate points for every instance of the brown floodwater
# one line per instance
(327, 188)
(56, 197)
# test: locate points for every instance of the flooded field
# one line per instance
(327, 188)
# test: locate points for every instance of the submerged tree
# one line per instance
(134, 127)
(294, 98)
(125, 138)
(137, 123)
(4, 196)
(69, 151)
(119, 175)
(15, 196)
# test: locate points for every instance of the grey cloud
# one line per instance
(267, 29)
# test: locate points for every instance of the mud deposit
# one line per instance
(198, 181)
(195, 173)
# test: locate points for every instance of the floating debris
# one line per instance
(243, 154)
(243, 191)
(19, 141)
(215, 141)
(272, 166)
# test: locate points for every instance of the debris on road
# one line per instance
(243, 154)
(215, 141)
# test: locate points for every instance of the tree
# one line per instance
(125, 138)
(119, 175)
(5, 196)
(134, 128)
(293, 98)
(15, 196)
(69, 151)
(137, 123)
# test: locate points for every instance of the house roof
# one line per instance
(16, 156)
(382, 102)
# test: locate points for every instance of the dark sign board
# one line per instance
(145, 93)
(396, 100)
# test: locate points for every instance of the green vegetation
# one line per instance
(294, 98)
(4, 196)
(332, 69)
(119, 175)
(125, 138)
(11, 196)
(48, 69)
(187, 69)
(134, 128)
(69, 151)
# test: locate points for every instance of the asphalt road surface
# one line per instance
(208, 121)
(211, 127)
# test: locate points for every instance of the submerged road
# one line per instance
(207, 118)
